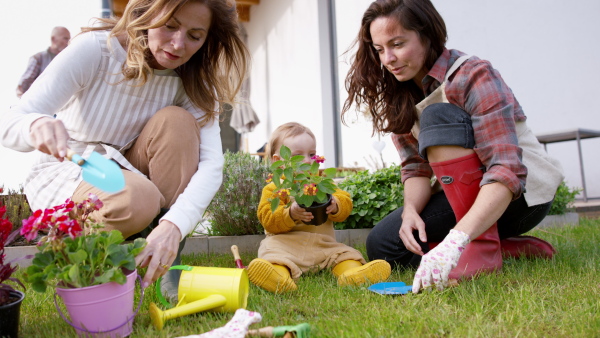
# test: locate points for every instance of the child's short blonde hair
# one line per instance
(282, 132)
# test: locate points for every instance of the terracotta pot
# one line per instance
(9, 316)
(319, 212)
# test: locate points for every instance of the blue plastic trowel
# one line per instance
(391, 288)
(100, 172)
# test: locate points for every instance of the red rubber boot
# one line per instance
(526, 246)
(460, 179)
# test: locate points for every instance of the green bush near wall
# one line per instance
(17, 207)
(232, 211)
(374, 196)
(563, 200)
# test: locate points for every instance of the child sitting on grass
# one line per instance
(292, 247)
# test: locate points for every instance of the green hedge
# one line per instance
(374, 195)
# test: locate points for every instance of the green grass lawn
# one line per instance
(535, 298)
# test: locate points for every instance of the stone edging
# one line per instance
(208, 244)
(250, 243)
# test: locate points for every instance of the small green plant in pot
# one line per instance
(298, 180)
(10, 298)
(85, 261)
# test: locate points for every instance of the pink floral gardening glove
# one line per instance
(437, 263)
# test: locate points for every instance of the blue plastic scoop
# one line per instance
(100, 172)
(391, 288)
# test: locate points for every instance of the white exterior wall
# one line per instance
(283, 38)
(546, 51)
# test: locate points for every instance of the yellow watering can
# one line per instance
(203, 289)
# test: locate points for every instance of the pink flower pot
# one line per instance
(104, 310)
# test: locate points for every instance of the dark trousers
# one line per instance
(444, 124)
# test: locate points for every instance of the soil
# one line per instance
(11, 299)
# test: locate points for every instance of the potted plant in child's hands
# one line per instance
(300, 180)
(86, 261)
(10, 299)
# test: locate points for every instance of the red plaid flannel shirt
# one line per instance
(478, 89)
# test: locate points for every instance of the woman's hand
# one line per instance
(437, 263)
(332, 208)
(300, 214)
(160, 251)
(49, 136)
(411, 221)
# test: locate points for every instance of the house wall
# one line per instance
(543, 48)
(283, 37)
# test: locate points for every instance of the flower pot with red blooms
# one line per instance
(78, 254)
(10, 299)
(296, 179)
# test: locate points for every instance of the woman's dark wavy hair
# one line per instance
(214, 74)
(389, 102)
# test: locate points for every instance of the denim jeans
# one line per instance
(444, 124)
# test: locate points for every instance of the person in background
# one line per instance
(292, 247)
(37, 63)
(451, 115)
(144, 90)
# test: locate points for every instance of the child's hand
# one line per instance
(332, 208)
(299, 213)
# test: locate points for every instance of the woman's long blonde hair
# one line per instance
(213, 75)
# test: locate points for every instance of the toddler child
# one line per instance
(292, 247)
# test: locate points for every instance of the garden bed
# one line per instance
(203, 244)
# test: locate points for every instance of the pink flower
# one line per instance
(318, 159)
(70, 227)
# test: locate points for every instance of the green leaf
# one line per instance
(74, 275)
(330, 172)
(78, 257)
(297, 158)
(285, 152)
(305, 200)
(274, 204)
(275, 165)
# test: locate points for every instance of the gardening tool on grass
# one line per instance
(236, 256)
(100, 172)
(203, 289)
(391, 288)
(295, 331)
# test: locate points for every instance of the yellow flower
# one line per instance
(282, 193)
(310, 189)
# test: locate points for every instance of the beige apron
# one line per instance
(544, 173)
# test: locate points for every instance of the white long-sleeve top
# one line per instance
(83, 87)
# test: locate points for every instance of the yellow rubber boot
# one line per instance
(271, 277)
(352, 272)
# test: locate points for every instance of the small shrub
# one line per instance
(563, 200)
(232, 211)
(17, 207)
(374, 196)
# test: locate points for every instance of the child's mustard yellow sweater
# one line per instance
(280, 221)
(299, 246)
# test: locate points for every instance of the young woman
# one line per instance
(143, 90)
(451, 115)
